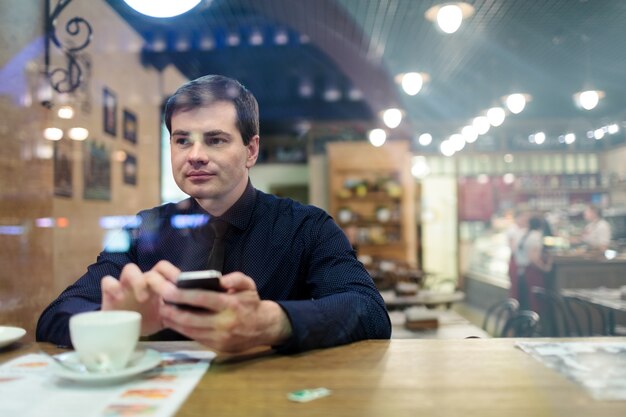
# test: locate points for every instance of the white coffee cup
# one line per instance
(105, 340)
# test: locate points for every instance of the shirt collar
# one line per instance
(240, 213)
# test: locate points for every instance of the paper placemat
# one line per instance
(29, 387)
(600, 367)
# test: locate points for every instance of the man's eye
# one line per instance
(181, 141)
(214, 141)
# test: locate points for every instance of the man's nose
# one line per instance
(197, 153)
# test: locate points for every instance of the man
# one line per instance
(597, 232)
(291, 278)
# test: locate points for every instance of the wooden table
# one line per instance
(451, 326)
(477, 377)
(422, 298)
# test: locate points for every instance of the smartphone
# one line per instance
(200, 280)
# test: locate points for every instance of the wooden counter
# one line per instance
(584, 270)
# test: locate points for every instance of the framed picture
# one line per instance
(109, 112)
(130, 169)
(130, 126)
(63, 168)
(96, 171)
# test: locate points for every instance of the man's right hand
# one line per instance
(131, 292)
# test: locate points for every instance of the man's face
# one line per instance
(209, 159)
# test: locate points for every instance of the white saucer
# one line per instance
(149, 359)
(10, 334)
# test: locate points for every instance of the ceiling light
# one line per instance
(332, 94)
(496, 116)
(233, 39)
(613, 129)
(281, 37)
(392, 118)
(588, 99)
(481, 123)
(516, 102)
(598, 134)
(53, 133)
(447, 148)
(377, 137)
(570, 138)
(508, 158)
(162, 8)
(78, 133)
(305, 89)
(458, 142)
(508, 178)
(469, 133)
(355, 94)
(537, 138)
(256, 38)
(412, 82)
(449, 16)
(425, 139)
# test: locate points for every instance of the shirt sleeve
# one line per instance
(83, 295)
(345, 305)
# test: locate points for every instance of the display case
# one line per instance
(372, 198)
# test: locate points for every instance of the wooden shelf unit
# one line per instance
(354, 162)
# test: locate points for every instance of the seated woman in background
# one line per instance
(532, 263)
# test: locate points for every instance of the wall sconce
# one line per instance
(68, 79)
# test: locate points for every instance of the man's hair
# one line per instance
(210, 89)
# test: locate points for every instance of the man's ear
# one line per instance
(253, 151)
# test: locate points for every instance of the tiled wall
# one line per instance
(36, 263)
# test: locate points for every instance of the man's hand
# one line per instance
(233, 321)
(131, 292)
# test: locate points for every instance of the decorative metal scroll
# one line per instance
(68, 79)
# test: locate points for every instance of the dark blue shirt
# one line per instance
(296, 254)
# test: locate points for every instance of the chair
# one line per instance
(555, 320)
(498, 314)
(524, 324)
(587, 319)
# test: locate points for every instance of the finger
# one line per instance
(133, 278)
(237, 281)
(206, 320)
(208, 300)
(112, 292)
(167, 269)
(161, 285)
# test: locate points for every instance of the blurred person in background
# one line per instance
(597, 233)
(532, 262)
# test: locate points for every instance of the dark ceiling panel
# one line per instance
(549, 49)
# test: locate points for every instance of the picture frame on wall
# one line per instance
(96, 171)
(109, 111)
(63, 168)
(129, 167)
(129, 123)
